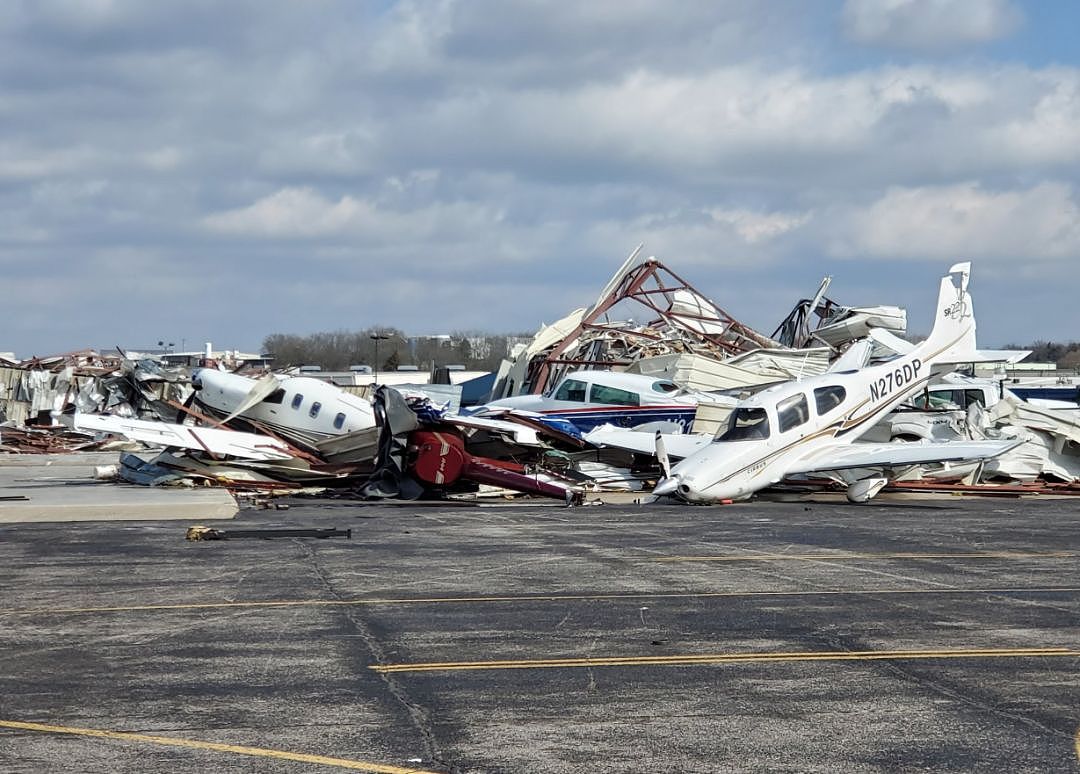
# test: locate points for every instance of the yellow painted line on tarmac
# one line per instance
(821, 557)
(726, 658)
(1077, 740)
(259, 752)
(629, 596)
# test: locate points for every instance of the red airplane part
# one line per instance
(441, 460)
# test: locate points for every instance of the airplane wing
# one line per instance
(678, 445)
(248, 446)
(897, 455)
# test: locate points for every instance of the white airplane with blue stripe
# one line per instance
(810, 426)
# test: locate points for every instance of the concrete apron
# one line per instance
(61, 487)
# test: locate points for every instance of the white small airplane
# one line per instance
(301, 410)
(298, 408)
(809, 426)
(588, 399)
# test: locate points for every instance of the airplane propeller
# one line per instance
(662, 456)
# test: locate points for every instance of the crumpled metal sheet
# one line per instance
(395, 421)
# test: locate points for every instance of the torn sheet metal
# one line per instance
(680, 319)
(760, 367)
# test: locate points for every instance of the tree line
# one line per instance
(1065, 354)
(338, 350)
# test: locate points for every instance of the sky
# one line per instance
(198, 171)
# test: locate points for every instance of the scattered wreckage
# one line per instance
(590, 405)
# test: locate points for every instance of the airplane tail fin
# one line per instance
(953, 338)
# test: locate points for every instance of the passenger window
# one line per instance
(828, 398)
(746, 424)
(275, 397)
(297, 399)
(314, 410)
(339, 421)
(974, 396)
(945, 399)
(792, 412)
(571, 389)
(613, 396)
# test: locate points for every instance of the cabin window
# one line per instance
(339, 421)
(792, 412)
(828, 398)
(314, 410)
(297, 399)
(571, 389)
(613, 396)
(945, 399)
(275, 397)
(664, 386)
(939, 399)
(974, 396)
(746, 424)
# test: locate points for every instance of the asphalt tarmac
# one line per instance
(938, 635)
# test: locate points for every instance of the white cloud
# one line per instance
(516, 142)
(714, 238)
(929, 24)
(754, 227)
(162, 159)
(303, 213)
(964, 221)
(1048, 130)
(294, 212)
(21, 162)
(747, 124)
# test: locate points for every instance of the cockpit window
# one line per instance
(792, 412)
(664, 386)
(613, 396)
(828, 398)
(746, 424)
(571, 389)
(275, 397)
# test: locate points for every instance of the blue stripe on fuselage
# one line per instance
(586, 419)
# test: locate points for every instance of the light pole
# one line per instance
(377, 337)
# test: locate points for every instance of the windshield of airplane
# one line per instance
(746, 424)
(571, 389)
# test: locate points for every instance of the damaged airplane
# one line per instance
(810, 426)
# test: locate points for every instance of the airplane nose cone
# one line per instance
(666, 487)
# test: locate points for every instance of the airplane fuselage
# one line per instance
(301, 405)
(777, 431)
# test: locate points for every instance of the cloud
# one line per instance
(753, 227)
(517, 150)
(303, 213)
(929, 24)
(294, 212)
(1041, 223)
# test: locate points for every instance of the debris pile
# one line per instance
(35, 391)
(686, 338)
(596, 402)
